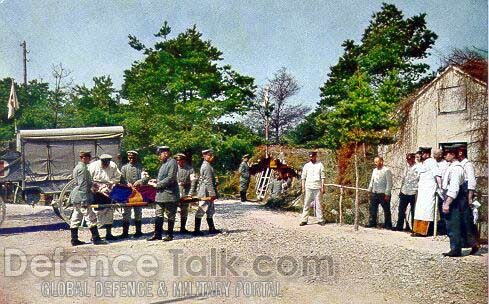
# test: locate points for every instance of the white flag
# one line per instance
(13, 102)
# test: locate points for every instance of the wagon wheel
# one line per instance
(61, 204)
(2, 211)
(14, 194)
(19, 196)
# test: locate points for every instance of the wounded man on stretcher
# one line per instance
(107, 195)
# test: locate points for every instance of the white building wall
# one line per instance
(428, 125)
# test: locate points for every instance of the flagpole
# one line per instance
(265, 103)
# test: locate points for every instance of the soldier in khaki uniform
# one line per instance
(455, 201)
(207, 188)
(81, 197)
(131, 175)
(167, 194)
(186, 184)
(244, 177)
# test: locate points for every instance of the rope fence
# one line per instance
(341, 187)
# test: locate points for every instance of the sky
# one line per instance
(257, 38)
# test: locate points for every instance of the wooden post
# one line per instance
(24, 54)
(267, 122)
(356, 188)
(341, 207)
(435, 220)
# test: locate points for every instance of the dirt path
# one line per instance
(270, 259)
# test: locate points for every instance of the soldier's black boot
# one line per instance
(197, 231)
(96, 240)
(108, 233)
(125, 230)
(183, 222)
(138, 233)
(158, 230)
(242, 195)
(474, 249)
(74, 237)
(169, 236)
(212, 228)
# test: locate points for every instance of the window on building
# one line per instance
(452, 99)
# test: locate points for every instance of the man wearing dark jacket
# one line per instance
(207, 189)
(167, 194)
(81, 197)
(244, 177)
(131, 175)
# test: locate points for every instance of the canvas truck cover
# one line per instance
(51, 154)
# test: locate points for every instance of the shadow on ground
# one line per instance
(34, 228)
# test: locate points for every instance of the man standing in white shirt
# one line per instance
(469, 230)
(441, 162)
(105, 174)
(380, 187)
(454, 201)
(407, 195)
(313, 188)
(442, 168)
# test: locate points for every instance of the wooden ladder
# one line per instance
(263, 182)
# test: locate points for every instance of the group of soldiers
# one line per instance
(447, 178)
(176, 179)
(445, 181)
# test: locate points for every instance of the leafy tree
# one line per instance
(363, 117)
(334, 88)
(34, 110)
(391, 47)
(96, 106)
(178, 94)
(392, 42)
(388, 64)
(307, 132)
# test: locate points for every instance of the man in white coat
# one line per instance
(313, 188)
(106, 174)
(428, 183)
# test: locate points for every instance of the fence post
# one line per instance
(356, 189)
(435, 220)
(341, 207)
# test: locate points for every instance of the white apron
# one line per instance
(425, 201)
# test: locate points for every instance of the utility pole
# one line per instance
(24, 53)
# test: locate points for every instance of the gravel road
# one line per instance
(262, 256)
